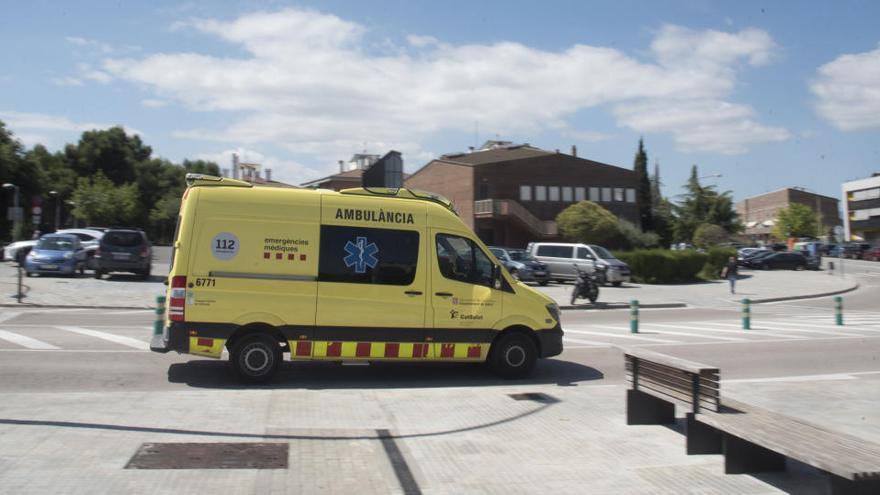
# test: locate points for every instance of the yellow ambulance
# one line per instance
(361, 274)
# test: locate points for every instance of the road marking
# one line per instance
(8, 315)
(828, 328)
(25, 341)
(763, 325)
(127, 341)
(620, 336)
(591, 343)
(773, 341)
(744, 333)
(804, 378)
(115, 351)
(653, 326)
(799, 327)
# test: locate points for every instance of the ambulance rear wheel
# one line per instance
(513, 355)
(255, 358)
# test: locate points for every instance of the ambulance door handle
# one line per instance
(443, 294)
(413, 293)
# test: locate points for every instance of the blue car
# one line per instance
(56, 253)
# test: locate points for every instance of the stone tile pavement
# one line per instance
(452, 440)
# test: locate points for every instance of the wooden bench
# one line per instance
(750, 438)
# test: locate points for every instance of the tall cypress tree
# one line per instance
(656, 197)
(643, 188)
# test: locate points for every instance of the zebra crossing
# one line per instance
(770, 328)
(18, 337)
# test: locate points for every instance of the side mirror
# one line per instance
(496, 276)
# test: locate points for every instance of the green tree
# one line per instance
(795, 221)
(703, 204)
(661, 210)
(100, 202)
(630, 236)
(707, 235)
(587, 222)
(110, 151)
(643, 188)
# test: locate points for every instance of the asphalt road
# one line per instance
(93, 350)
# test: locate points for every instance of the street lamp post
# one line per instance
(57, 197)
(16, 220)
(72, 204)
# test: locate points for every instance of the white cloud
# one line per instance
(153, 103)
(42, 121)
(312, 84)
(701, 125)
(66, 81)
(847, 90)
(52, 129)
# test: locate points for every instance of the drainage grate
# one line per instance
(535, 396)
(210, 456)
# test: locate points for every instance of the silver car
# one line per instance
(561, 258)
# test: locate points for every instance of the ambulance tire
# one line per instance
(255, 358)
(513, 355)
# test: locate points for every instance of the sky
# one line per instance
(759, 95)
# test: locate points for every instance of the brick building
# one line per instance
(510, 194)
(759, 213)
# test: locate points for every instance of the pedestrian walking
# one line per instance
(729, 272)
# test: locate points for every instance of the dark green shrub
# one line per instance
(718, 257)
(660, 266)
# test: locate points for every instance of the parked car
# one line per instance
(56, 254)
(88, 240)
(561, 258)
(124, 250)
(747, 260)
(790, 260)
(521, 265)
(872, 254)
(855, 250)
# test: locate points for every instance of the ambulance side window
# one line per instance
(462, 260)
(360, 255)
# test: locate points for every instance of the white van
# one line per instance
(560, 258)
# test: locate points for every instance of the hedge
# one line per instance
(718, 257)
(661, 266)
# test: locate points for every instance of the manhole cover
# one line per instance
(210, 456)
(536, 397)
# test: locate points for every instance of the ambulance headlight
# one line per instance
(553, 309)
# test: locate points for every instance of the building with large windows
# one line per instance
(861, 221)
(510, 193)
(759, 213)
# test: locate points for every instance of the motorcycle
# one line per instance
(587, 284)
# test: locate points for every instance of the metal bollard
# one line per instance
(838, 310)
(160, 315)
(18, 294)
(634, 316)
(746, 314)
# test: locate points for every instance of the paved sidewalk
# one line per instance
(475, 439)
(755, 285)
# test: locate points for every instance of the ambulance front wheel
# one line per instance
(513, 355)
(255, 358)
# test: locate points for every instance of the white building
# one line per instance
(861, 220)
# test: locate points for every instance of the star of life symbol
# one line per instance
(361, 255)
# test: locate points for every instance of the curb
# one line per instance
(809, 296)
(625, 306)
